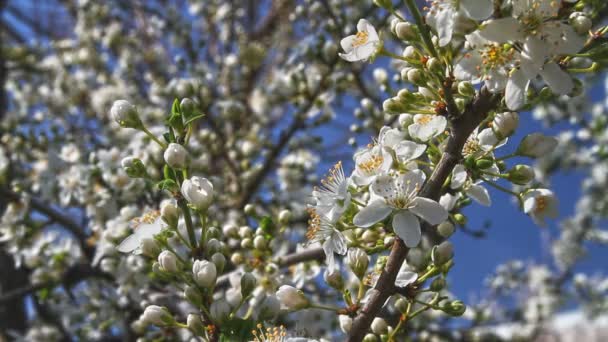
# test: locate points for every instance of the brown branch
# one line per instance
(462, 127)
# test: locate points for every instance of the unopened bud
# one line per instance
(157, 315)
(219, 260)
(466, 89)
(284, 216)
(134, 167)
(125, 114)
(454, 308)
(334, 279)
(442, 253)
(406, 31)
(248, 283)
(521, 174)
(505, 124)
(358, 261)
(168, 261)
(346, 323)
(445, 229)
(170, 214)
(204, 273)
(176, 156)
(195, 324)
(370, 338)
(379, 326)
(438, 284)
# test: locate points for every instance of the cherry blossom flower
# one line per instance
(144, 229)
(540, 204)
(461, 180)
(322, 230)
(370, 162)
(426, 127)
(362, 45)
(332, 197)
(443, 15)
(399, 194)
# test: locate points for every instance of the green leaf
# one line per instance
(175, 109)
(169, 185)
(267, 225)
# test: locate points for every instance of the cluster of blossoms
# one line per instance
(171, 226)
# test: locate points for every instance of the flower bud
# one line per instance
(204, 273)
(442, 253)
(284, 216)
(125, 114)
(176, 156)
(195, 324)
(581, 24)
(334, 279)
(466, 89)
(168, 261)
(370, 338)
(245, 232)
(346, 322)
(292, 298)
(438, 284)
(198, 191)
(415, 76)
(434, 65)
(134, 167)
(401, 305)
(157, 315)
(460, 219)
(220, 310)
(269, 308)
(379, 326)
(237, 258)
(521, 174)
(536, 145)
(170, 214)
(445, 229)
(405, 31)
(213, 246)
(219, 260)
(505, 124)
(454, 308)
(249, 209)
(149, 247)
(358, 261)
(248, 283)
(187, 106)
(246, 243)
(259, 242)
(484, 163)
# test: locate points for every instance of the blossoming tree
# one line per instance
(158, 167)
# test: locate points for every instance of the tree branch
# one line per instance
(462, 127)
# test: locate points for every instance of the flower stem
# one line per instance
(153, 137)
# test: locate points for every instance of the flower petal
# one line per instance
(477, 9)
(429, 210)
(407, 227)
(374, 212)
(558, 80)
(517, 86)
(501, 30)
(479, 194)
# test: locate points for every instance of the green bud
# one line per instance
(220, 262)
(401, 305)
(484, 163)
(466, 89)
(370, 338)
(521, 174)
(248, 283)
(454, 308)
(134, 167)
(438, 284)
(460, 219)
(434, 65)
(445, 229)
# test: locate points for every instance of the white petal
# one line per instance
(479, 194)
(501, 30)
(429, 210)
(517, 86)
(466, 69)
(409, 150)
(558, 80)
(374, 212)
(448, 201)
(445, 25)
(129, 244)
(330, 258)
(407, 227)
(477, 9)
(347, 43)
(459, 176)
(405, 276)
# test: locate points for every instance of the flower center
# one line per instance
(470, 147)
(496, 55)
(147, 218)
(372, 163)
(541, 204)
(404, 195)
(360, 38)
(423, 120)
